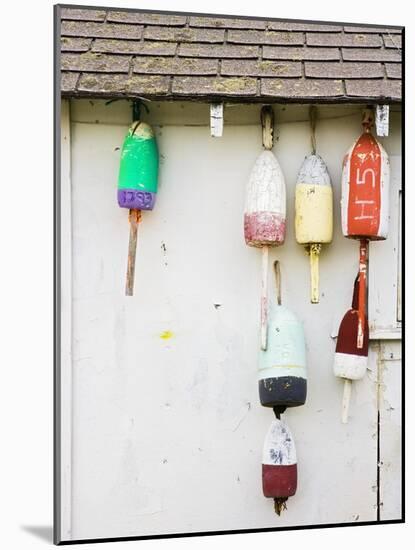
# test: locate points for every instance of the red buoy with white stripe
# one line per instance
(365, 202)
(350, 362)
(279, 464)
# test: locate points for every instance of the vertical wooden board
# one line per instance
(390, 407)
(382, 120)
(383, 283)
(168, 429)
(216, 119)
(65, 391)
(400, 257)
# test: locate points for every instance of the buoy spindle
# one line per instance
(264, 297)
(134, 217)
(362, 291)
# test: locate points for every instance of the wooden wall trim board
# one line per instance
(390, 428)
(66, 327)
(384, 284)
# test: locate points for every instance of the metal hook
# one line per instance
(137, 109)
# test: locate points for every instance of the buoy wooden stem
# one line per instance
(277, 272)
(264, 298)
(364, 243)
(315, 250)
(134, 218)
(347, 392)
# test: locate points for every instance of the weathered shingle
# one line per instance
(71, 44)
(345, 40)
(184, 35)
(82, 14)
(376, 89)
(119, 85)
(236, 67)
(170, 65)
(393, 70)
(68, 82)
(116, 53)
(218, 50)
(227, 23)
(95, 62)
(368, 29)
(371, 54)
(300, 54)
(392, 41)
(301, 88)
(304, 27)
(207, 86)
(134, 47)
(343, 70)
(266, 37)
(100, 30)
(146, 18)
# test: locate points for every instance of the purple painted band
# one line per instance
(131, 198)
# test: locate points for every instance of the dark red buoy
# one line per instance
(350, 361)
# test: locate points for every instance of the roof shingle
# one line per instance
(344, 40)
(302, 88)
(100, 30)
(128, 53)
(284, 38)
(171, 65)
(343, 70)
(300, 54)
(142, 18)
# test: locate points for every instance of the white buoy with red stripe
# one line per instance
(365, 202)
(265, 208)
(350, 362)
(279, 464)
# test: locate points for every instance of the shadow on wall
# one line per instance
(44, 532)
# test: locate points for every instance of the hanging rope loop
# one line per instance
(267, 122)
(313, 116)
(367, 119)
(137, 104)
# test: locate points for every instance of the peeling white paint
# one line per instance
(266, 186)
(279, 446)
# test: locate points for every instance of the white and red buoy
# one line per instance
(265, 209)
(350, 361)
(279, 464)
(365, 202)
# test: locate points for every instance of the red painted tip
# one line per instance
(278, 480)
(347, 337)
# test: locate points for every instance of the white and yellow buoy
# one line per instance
(314, 209)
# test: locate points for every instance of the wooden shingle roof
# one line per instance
(112, 53)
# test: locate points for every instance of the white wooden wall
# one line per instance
(167, 433)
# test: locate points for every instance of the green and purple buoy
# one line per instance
(137, 184)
